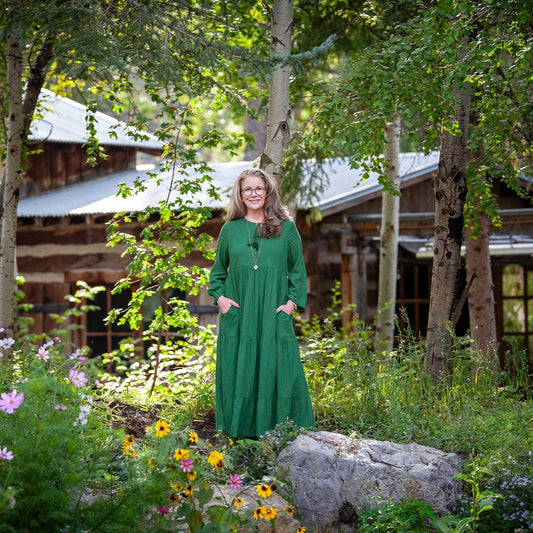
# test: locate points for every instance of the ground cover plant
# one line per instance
(85, 450)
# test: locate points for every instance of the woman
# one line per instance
(258, 280)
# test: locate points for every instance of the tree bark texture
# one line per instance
(388, 255)
(481, 293)
(278, 131)
(450, 194)
(11, 186)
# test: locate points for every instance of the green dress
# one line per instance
(260, 379)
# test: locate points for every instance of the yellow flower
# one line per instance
(152, 462)
(173, 498)
(264, 491)
(130, 452)
(129, 440)
(191, 476)
(188, 491)
(193, 437)
(259, 512)
(181, 454)
(270, 513)
(238, 502)
(215, 458)
(290, 509)
(178, 487)
(301, 530)
(161, 428)
(233, 528)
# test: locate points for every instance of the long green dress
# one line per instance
(260, 379)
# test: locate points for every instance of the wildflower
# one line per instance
(188, 491)
(259, 512)
(181, 454)
(177, 487)
(193, 437)
(60, 407)
(152, 462)
(290, 509)
(215, 459)
(235, 481)
(238, 502)
(301, 530)
(5, 454)
(270, 513)
(10, 402)
(186, 465)
(191, 476)
(6, 343)
(129, 440)
(42, 354)
(163, 510)
(161, 428)
(78, 353)
(264, 491)
(77, 378)
(173, 498)
(130, 452)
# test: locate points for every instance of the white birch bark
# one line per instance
(278, 131)
(388, 255)
(11, 187)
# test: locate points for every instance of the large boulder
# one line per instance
(335, 477)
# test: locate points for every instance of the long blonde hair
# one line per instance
(274, 211)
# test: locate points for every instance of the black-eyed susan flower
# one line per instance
(301, 530)
(161, 428)
(152, 462)
(270, 513)
(193, 437)
(191, 476)
(173, 498)
(238, 502)
(259, 512)
(215, 458)
(188, 491)
(129, 440)
(290, 509)
(181, 454)
(129, 452)
(264, 491)
(176, 487)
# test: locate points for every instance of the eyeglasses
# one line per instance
(248, 191)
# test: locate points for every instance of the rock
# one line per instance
(284, 522)
(335, 477)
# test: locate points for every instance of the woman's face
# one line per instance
(253, 194)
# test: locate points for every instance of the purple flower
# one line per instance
(186, 465)
(42, 354)
(235, 481)
(6, 455)
(163, 510)
(10, 402)
(77, 378)
(60, 407)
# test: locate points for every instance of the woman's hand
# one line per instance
(288, 308)
(224, 304)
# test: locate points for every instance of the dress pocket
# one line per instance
(230, 322)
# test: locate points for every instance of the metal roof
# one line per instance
(99, 196)
(61, 119)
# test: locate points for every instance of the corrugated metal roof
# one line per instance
(99, 196)
(63, 120)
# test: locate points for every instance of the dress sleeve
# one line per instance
(296, 267)
(219, 272)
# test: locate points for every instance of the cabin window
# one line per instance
(102, 337)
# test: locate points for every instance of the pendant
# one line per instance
(255, 267)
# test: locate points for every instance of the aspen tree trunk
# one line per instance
(450, 193)
(11, 187)
(278, 131)
(481, 293)
(388, 255)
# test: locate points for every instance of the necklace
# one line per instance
(253, 246)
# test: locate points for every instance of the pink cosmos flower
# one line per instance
(42, 354)
(77, 378)
(6, 455)
(186, 465)
(10, 402)
(235, 481)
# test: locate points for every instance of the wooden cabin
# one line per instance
(66, 204)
